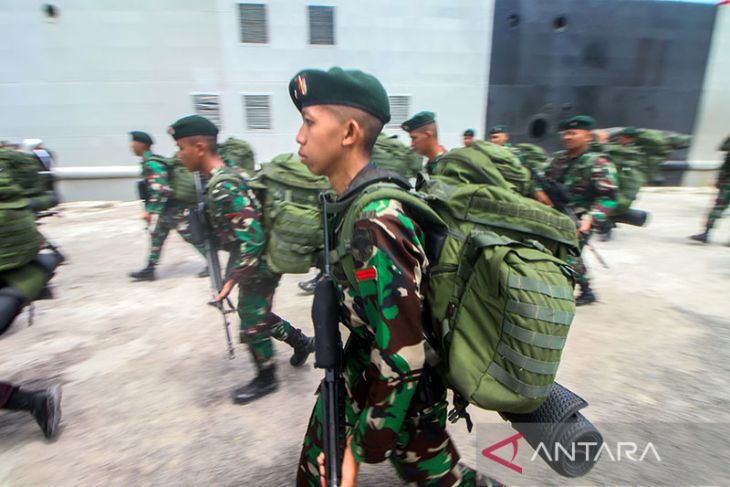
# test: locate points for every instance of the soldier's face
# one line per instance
(574, 139)
(189, 153)
(419, 141)
(138, 148)
(499, 139)
(320, 139)
(468, 140)
(624, 139)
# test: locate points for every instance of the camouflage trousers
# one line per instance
(424, 453)
(172, 217)
(258, 323)
(721, 203)
(5, 390)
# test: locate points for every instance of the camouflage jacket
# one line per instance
(591, 179)
(235, 215)
(724, 176)
(159, 190)
(384, 318)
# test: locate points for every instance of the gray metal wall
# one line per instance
(625, 62)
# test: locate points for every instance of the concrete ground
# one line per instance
(147, 382)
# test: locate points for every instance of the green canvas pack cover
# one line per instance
(628, 161)
(485, 163)
(238, 154)
(391, 154)
(24, 170)
(20, 240)
(500, 302)
(532, 156)
(181, 180)
(292, 217)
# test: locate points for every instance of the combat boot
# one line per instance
(45, 406)
(146, 274)
(700, 237)
(302, 345)
(47, 410)
(204, 272)
(308, 286)
(586, 296)
(264, 383)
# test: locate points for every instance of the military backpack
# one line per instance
(485, 163)
(292, 218)
(500, 294)
(182, 181)
(20, 240)
(391, 154)
(238, 154)
(630, 176)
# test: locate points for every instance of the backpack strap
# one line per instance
(227, 174)
(376, 190)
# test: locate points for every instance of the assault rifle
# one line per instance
(560, 195)
(328, 356)
(202, 232)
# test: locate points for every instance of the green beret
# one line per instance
(580, 122)
(469, 133)
(498, 129)
(348, 87)
(418, 120)
(138, 136)
(629, 132)
(191, 126)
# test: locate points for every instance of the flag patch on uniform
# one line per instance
(366, 274)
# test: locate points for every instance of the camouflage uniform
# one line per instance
(723, 184)
(166, 213)
(384, 358)
(592, 181)
(235, 215)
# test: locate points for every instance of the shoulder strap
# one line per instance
(227, 174)
(421, 212)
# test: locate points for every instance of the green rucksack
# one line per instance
(391, 154)
(628, 161)
(181, 181)
(238, 154)
(500, 295)
(292, 218)
(485, 163)
(20, 240)
(532, 156)
(24, 170)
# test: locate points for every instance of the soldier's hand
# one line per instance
(585, 226)
(227, 287)
(147, 217)
(349, 468)
(543, 198)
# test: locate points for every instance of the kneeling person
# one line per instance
(235, 216)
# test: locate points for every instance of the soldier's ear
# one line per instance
(353, 133)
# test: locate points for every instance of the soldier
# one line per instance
(161, 212)
(44, 405)
(383, 363)
(499, 135)
(588, 180)
(235, 217)
(723, 197)
(425, 138)
(468, 137)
